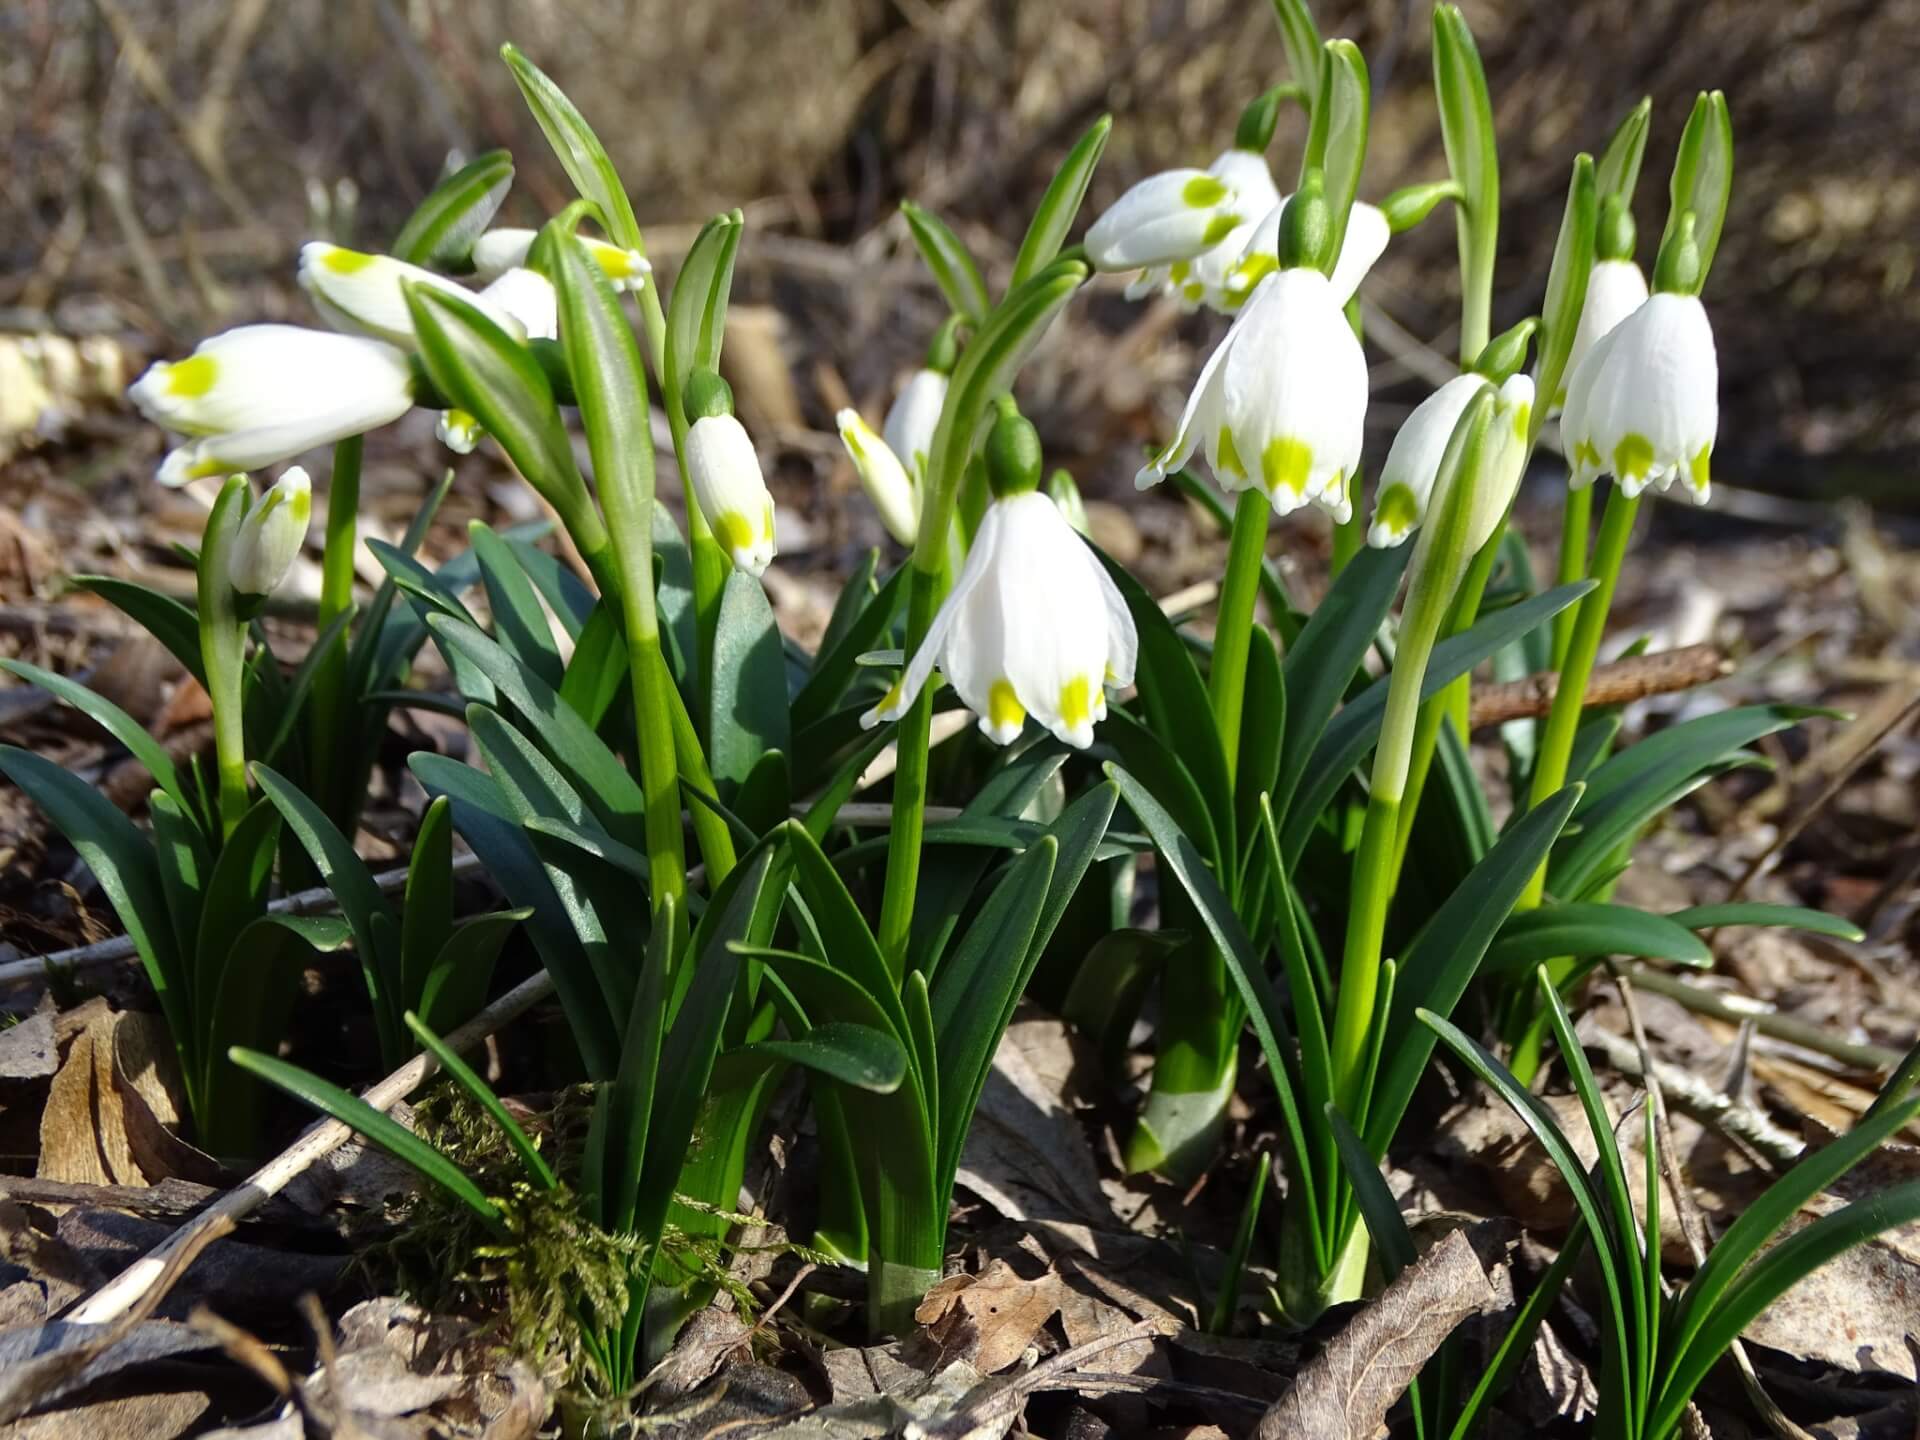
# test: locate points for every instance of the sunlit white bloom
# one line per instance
(528, 296)
(1282, 401)
(912, 419)
(363, 294)
(886, 481)
(1504, 460)
(732, 493)
(499, 251)
(271, 534)
(1614, 291)
(265, 393)
(1365, 242)
(1207, 279)
(1644, 405)
(1413, 461)
(1033, 627)
(458, 431)
(1178, 215)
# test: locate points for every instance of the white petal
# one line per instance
(914, 417)
(362, 293)
(933, 648)
(1200, 420)
(1653, 408)
(499, 251)
(1163, 218)
(271, 534)
(1614, 291)
(1123, 639)
(1504, 459)
(1053, 621)
(529, 298)
(1365, 242)
(1413, 460)
(882, 476)
(732, 493)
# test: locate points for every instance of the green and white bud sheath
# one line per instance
(261, 394)
(271, 534)
(893, 491)
(723, 472)
(1282, 403)
(1405, 491)
(1184, 229)
(499, 251)
(1033, 626)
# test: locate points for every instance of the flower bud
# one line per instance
(528, 296)
(365, 294)
(1012, 453)
(882, 476)
(499, 251)
(913, 419)
(271, 534)
(724, 472)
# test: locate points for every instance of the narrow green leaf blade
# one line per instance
(950, 262)
(1054, 216)
(580, 152)
(441, 231)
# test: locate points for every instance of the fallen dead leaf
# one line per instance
(1345, 1391)
(996, 1314)
(110, 1110)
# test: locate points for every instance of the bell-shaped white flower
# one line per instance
(499, 251)
(912, 419)
(365, 294)
(1615, 290)
(1033, 626)
(725, 474)
(1282, 402)
(459, 431)
(1504, 460)
(894, 492)
(529, 297)
(1644, 405)
(1178, 215)
(1364, 243)
(1413, 461)
(1206, 279)
(271, 534)
(265, 393)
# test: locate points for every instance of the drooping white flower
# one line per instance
(528, 296)
(499, 251)
(1282, 402)
(912, 419)
(1033, 627)
(1614, 291)
(1413, 461)
(1364, 243)
(1179, 215)
(265, 393)
(894, 492)
(363, 294)
(1504, 460)
(1206, 278)
(1644, 405)
(459, 431)
(725, 474)
(271, 534)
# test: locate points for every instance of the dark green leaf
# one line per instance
(749, 685)
(115, 721)
(855, 1055)
(1791, 917)
(170, 622)
(463, 1075)
(519, 622)
(1531, 937)
(457, 980)
(859, 620)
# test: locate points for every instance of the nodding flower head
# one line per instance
(1644, 405)
(499, 251)
(1168, 222)
(894, 492)
(364, 294)
(725, 474)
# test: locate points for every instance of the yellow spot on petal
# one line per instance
(1196, 292)
(346, 262)
(1076, 703)
(1632, 457)
(1219, 228)
(890, 702)
(1699, 469)
(1004, 710)
(193, 376)
(734, 532)
(1522, 418)
(1228, 454)
(1398, 510)
(1585, 454)
(1202, 191)
(1179, 270)
(1285, 465)
(1255, 268)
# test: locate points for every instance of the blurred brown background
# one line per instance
(160, 163)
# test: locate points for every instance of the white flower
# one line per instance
(1178, 215)
(1033, 626)
(1282, 402)
(459, 431)
(265, 393)
(893, 491)
(529, 298)
(1614, 291)
(362, 293)
(1206, 278)
(499, 251)
(1504, 459)
(1413, 461)
(913, 418)
(271, 534)
(1644, 405)
(1363, 244)
(731, 491)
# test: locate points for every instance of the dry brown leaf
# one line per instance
(110, 1107)
(1345, 1391)
(997, 1312)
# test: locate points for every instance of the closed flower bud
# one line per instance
(364, 294)
(1033, 627)
(1504, 460)
(725, 474)
(1614, 291)
(262, 394)
(1413, 461)
(885, 479)
(1177, 216)
(271, 534)
(1644, 405)
(499, 251)
(528, 296)
(1282, 401)
(912, 419)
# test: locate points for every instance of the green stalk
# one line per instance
(1576, 524)
(1227, 682)
(331, 707)
(910, 773)
(223, 641)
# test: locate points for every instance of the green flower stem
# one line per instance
(1227, 683)
(1576, 524)
(223, 641)
(910, 773)
(331, 706)
(1556, 745)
